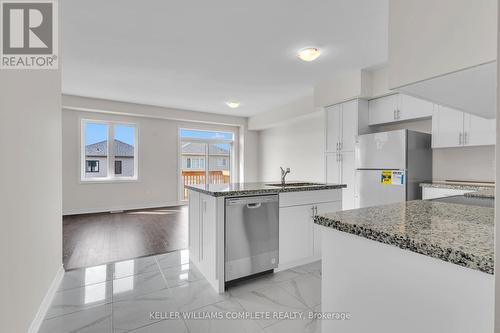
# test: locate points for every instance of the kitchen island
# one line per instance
(416, 266)
(298, 236)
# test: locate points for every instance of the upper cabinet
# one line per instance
(343, 124)
(397, 107)
(479, 131)
(452, 128)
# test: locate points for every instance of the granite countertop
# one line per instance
(459, 185)
(234, 189)
(459, 234)
(486, 194)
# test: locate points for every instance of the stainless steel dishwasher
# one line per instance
(251, 235)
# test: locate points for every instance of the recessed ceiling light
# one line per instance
(233, 105)
(309, 54)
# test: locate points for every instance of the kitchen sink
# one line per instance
(292, 184)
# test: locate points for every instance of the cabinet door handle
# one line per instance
(466, 139)
(340, 145)
(394, 114)
(337, 146)
(315, 210)
(312, 212)
(460, 138)
(398, 114)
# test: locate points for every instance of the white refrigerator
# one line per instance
(390, 166)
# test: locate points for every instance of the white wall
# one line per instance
(30, 192)
(464, 163)
(298, 145)
(342, 88)
(158, 165)
(300, 107)
(428, 38)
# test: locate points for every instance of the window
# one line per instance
(205, 157)
(92, 166)
(106, 159)
(118, 167)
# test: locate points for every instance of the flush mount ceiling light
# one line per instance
(308, 54)
(233, 105)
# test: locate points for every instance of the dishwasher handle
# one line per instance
(254, 205)
(251, 202)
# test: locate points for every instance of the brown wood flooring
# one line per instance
(94, 239)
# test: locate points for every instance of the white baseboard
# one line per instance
(121, 208)
(47, 300)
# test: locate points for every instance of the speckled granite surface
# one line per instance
(487, 194)
(458, 186)
(459, 234)
(235, 189)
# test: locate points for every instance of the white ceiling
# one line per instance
(196, 55)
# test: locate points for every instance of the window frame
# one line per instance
(110, 177)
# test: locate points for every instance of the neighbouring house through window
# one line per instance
(105, 159)
(205, 157)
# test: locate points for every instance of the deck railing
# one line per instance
(199, 177)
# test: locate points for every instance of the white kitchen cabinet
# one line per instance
(202, 232)
(340, 169)
(333, 123)
(398, 107)
(479, 131)
(382, 110)
(207, 233)
(344, 122)
(299, 240)
(453, 128)
(333, 168)
(413, 108)
(295, 233)
(349, 125)
(447, 127)
(437, 192)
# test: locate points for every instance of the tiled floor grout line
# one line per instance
(168, 288)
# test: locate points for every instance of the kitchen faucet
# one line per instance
(283, 174)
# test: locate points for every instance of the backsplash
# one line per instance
(464, 163)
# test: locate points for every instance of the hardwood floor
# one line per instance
(94, 239)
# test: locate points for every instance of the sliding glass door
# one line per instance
(205, 157)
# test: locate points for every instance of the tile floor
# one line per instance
(119, 297)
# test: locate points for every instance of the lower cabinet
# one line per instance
(299, 236)
(202, 231)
